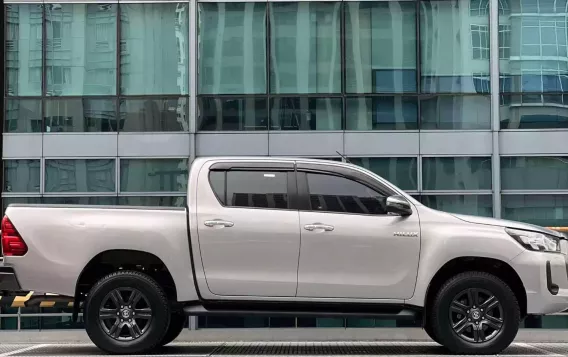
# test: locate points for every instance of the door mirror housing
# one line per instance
(398, 205)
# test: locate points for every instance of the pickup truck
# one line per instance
(285, 236)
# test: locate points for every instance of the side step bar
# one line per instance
(387, 314)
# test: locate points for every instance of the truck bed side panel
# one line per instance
(63, 239)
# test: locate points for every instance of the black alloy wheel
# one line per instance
(125, 314)
(476, 315)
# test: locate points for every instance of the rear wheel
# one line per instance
(127, 312)
(475, 313)
(177, 323)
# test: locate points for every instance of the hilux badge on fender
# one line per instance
(406, 234)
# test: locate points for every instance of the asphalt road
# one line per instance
(232, 349)
(280, 342)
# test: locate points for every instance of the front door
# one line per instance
(249, 234)
(351, 247)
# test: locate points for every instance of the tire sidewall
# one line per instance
(177, 322)
(511, 319)
(158, 324)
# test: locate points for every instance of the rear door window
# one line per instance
(253, 189)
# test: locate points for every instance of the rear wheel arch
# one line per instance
(458, 265)
(110, 261)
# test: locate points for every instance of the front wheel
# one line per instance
(430, 332)
(127, 312)
(475, 313)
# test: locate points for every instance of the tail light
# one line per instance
(12, 243)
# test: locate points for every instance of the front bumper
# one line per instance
(545, 278)
(8, 280)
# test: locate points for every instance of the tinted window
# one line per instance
(258, 189)
(217, 181)
(338, 194)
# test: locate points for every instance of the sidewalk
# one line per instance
(280, 334)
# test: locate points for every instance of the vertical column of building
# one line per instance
(193, 25)
(494, 79)
(3, 30)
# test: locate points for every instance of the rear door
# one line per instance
(248, 228)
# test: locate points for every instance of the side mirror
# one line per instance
(398, 205)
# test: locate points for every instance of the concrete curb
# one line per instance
(280, 334)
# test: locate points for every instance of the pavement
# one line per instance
(280, 342)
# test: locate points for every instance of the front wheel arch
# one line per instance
(458, 265)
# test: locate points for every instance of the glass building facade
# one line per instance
(459, 102)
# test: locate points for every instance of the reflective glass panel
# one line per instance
(477, 205)
(538, 47)
(22, 175)
(534, 173)
(80, 49)
(153, 175)
(449, 63)
(534, 111)
(456, 173)
(81, 175)
(58, 323)
(380, 47)
(23, 116)
(235, 114)
(455, 112)
(25, 200)
(303, 113)
(232, 48)
(80, 115)
(106, 200)
(542, 210)
(154, 48)
(151, 114)
(165, 201)
(381, 113)
(9, 323)
(400, 171)
(23, 49)
(305, 47)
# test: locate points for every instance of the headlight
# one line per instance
(535, 241)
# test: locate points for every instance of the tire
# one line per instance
(142, 313)
(488, 328)
(177, 322)
(430, 331)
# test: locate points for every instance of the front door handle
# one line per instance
(218, 223)
(318, 227)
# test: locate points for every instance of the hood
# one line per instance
(507, 224)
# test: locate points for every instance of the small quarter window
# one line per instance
(217, 180)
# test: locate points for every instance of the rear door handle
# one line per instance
(318, 227)
(218, 223)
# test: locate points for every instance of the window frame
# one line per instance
(303, 169)
(286, 167)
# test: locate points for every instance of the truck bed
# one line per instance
(65, 238)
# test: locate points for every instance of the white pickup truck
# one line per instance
(286, 236)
